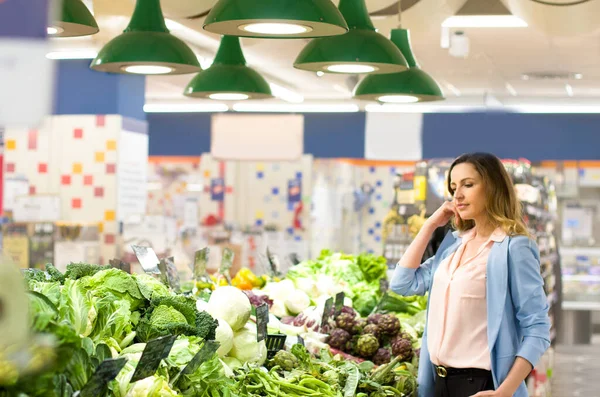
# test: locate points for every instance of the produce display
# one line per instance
(93, 316)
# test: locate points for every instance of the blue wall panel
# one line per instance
(335, 134)
(325, 135)
(179, 134)
(512, 135)
(81, 90)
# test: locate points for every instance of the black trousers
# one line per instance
(463, 385)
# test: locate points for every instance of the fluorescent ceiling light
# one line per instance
(554, 108)
(185, 107)
(398, 99)
(569, 89)
(511, 89)
(454, 90)
(484, 21)
(420, 108)
(285, 94)
(296, 108)
(72, 54)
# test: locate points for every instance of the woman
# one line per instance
(487, 316)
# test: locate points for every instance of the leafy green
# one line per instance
(76, 307)
(175, 315)
(114, 282)
(150, 287)
(54, 273)
(75, 271)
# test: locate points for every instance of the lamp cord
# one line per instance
(399, 14)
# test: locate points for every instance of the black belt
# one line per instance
(444, 372)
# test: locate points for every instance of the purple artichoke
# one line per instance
(349, 310)
(374, 318)
(359, 326)
(367, 345)
(345, 321)
(383, 356)
(389, 325)
(338, 338)
(402, 348)
(372, 329)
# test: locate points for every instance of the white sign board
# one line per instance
(42, 208)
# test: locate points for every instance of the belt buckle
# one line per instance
(441, 371)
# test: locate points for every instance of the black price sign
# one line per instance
(209, 348)
(301, 340)
(154, 352)
(339, 303)
(273, 263)
(294, 259)
(327, 312)
(200, 263)
(262, 319)
(147, 258)
(106, 372)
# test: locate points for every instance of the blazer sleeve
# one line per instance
(412, 281)
(526, 287)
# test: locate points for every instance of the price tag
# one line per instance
(147, 258)
(384, 285)
(200, 263)
(301, 341)
(106, 372)
(339, 303)
(294, 259)
(226, 263)
(273, 263)
(154, 352)
(119, 264)
(327, 312)
(173, 274)
(262, 319)
(209, 348)
(162, 267)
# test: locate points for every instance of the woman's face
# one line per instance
(469, 191)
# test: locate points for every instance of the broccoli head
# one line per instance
(175, 315)
(75, 271)
(54, 273)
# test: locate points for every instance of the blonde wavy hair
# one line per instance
(502, 205)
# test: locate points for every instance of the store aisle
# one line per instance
(577, 371)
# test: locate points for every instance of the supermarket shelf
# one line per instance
(580, 251)
(580, 277)
(575, 305)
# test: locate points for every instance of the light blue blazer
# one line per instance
(517, 307)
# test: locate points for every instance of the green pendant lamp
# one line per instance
(361, 50)
(75, 20)
(276, 18)
(413, 85)
(146, 47)
(228, 78)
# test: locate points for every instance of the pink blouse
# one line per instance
(457, 321)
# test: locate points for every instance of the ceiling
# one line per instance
(565, 46)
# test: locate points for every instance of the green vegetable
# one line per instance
(150, 287)
(75, 271)
(175, 315)
(54, 273)
(286, 360)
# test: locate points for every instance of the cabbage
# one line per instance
(246, 349)
(224, 337)
(231, 305)
(297, 301)
(232, 362)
